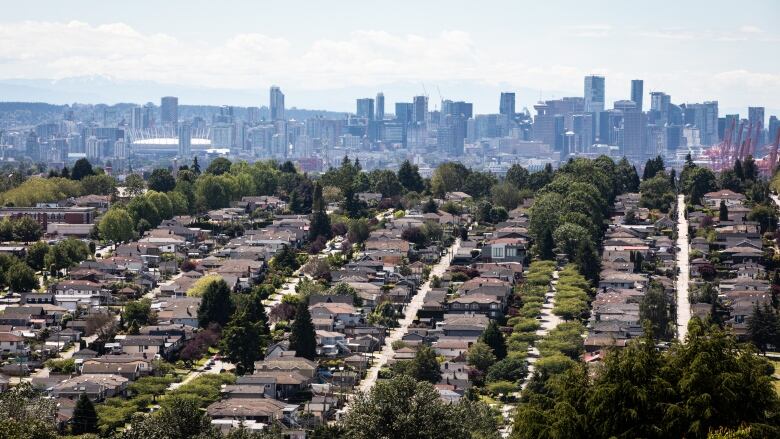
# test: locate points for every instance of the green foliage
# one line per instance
(20, 277)
(244, 340)
(216, 305)
(66, 253)
(481, 356)
(36, 254)
(657, 193)
(657, 308)
(140, 312)
(494, 339)
(161, 180)
(26, 414)
(404, 407)
(409, 177)
(84, 416)
(101, 184)
(61, 366)
(82, 168)
(303, 339)
(116, 225)
(40, 190)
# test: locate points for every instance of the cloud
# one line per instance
(590, 30)
(749, 29)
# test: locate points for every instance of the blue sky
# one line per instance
(324, 54)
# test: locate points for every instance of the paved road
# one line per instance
(410, 313)
(217, 367)
(683, 305)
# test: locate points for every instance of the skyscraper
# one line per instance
(136, 118)
(419, 109)
(594, 94)
(637, 92)
(380, 106)
(507, 104)
(403, 112)
(705, 117)
(756, 115)
(169, 110)
(365, 108)
(277, 103)
(185, 140)
(660, 102)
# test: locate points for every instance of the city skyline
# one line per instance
(691, 54)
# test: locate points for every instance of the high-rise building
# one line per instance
(773, 127)
(185, 140)
(458, 108)
(659, 103)
(169, 110)
(403, 112)
(148, 116)
(136, 118)
(507, 104)
(419, 109)
(594, 94)
(277, 103)
(380, 106)
(365, 108)
(637, 92)
(704, 116)
(756, 115)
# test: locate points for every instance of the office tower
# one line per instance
(403, 112)
(457, 108)
(92, 148)
(419, 109)
(185, 140)
(594, 94)
(365, 108)
(637, 92)
(120, 149)
(136, 118)
(507, 104)
(380, 106)
(253, 115)
(169, 110)
(33, 147)
(277, 103)
(756, 115)
(704, 116)
(659, 104)
(773, 128)
(148, 116)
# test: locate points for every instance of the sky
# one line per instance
(324, 54)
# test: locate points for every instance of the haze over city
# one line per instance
(325, 54)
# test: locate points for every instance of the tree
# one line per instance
(179, 418)
(216, 305)
(116, 225)
(568, 236)
(140, 312)
(285, 260)
(409, 177)
(697, 181)
(319, 220)
(506, 195)
(766, 216)
(723, 212)
(84, 416)
(546, 246)
(243, 342)
(424, 366)
(448, 177)
(20, 277)
(134, 185)
(82, 168)
(26, 414)
(478, 184)
(495, 340)
(27, 229)
(219, 166)
(588, 261)
(517, 176)
(509, 369)
(386, 183)
(653, 167)
(358, 230)
(405, 408)
(481, 356)
(161, 180)
(303, 339)
(656, 308)
(430, 206)
(764, 327)
(195, 166)
(36, 255)
(627, 177)
(657, 193)
(100, 184)
(142, 208)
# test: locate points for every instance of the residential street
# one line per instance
(410, 313)
(683, 305)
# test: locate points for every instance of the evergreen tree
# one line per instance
(764, 326)
(320, 222)
(65, 173)
(303, 339)
(430, 206)
(84, 416)
(409, 177)
(493, 338)
(588, 261)
(243, 342)
(738, 170)
(546, 246)
(216, 305)
(723, 212)
(424, 366)
(195, 166)
(81, 169)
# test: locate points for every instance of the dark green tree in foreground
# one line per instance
(424, 366)
(723, 211)
(408, 409)
(493, 338)
(243, 342)
(84, 416)
(215, 305)
(303, 339)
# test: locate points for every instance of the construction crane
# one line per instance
(768, 163)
